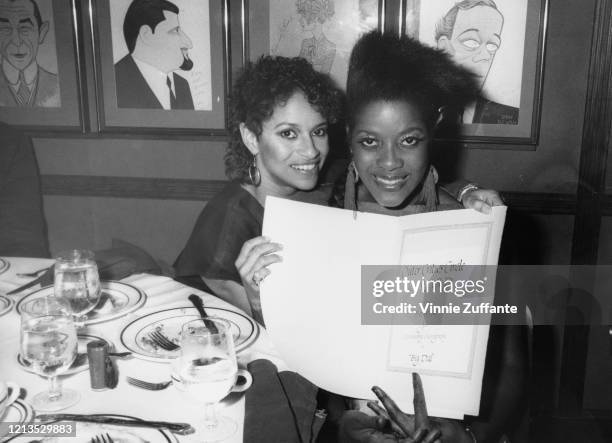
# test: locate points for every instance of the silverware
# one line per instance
(34, 282)
(26, 286)
(103, 438)
(176, 428)
(162, 341)
(197, 302)
(32, 274)
(150, 386)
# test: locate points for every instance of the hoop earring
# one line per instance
(354, 171)
(254, 174)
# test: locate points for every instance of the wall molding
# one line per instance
(131, 187)
(203, 190)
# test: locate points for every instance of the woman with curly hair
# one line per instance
(280, 111)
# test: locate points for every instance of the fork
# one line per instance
(150, 386)
(162, 341)
(103, 438)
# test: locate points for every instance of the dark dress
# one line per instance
(232, 217)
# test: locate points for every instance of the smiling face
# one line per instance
(475, 40)
(389, 141)
(170, 44)
(292, 147)
(19, 33)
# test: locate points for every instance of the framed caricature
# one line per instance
(502, 43)
(161, 66)
(322, 31)
(40, 77)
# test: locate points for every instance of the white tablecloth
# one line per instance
(169, 404)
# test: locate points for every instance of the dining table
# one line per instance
(170, 404)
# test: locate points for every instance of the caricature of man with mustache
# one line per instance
(157, 47)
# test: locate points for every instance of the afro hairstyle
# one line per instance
(388, 67)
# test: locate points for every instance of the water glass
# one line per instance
(208, 370)
(77, 283)
(49, 342)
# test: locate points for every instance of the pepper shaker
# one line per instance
(97, 353)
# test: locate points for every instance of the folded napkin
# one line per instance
(280, 406)
(121, 260)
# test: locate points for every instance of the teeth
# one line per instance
(389, 182)
(309, 167)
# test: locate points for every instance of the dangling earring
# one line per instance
(354, 170)
(254, 174)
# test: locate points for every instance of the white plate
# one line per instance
(4, 265)
(80, 364)
(19, 412)
(5, 304)
(170, 322)
(117, 300)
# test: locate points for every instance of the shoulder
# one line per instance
(46, 75)
(125, 66)
(10, 140)
(232, 205)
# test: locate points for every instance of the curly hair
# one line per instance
(259, 89)
(311, 10)
(388, 67)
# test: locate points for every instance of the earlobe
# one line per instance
(249, 139)
(44, 28)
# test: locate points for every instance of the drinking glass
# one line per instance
(207, 369)
(49, 343)
(77, 284)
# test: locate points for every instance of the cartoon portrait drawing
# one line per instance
(471, 33)
(157, 46)
(321, 31)
(23, 82)
(317, 49)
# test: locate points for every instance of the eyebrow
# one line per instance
(295, 125)
(373, 131)
(4, 20)
(27, 20)
(477, 31)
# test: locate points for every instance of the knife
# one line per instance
(197, 302)
(177, 428)
(26, 286)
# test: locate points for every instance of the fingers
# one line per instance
(395, 414)
(256, 254)
(482, 206)
(383, 414)
(357, 426)
(253, 246)
(421, 420)
(432, 436)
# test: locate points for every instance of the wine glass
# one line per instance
(77, 283)
(207, 370)
(49, 343)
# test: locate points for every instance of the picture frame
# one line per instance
(509, 109)
(276, 29)
(42, 91)
(190, 50)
